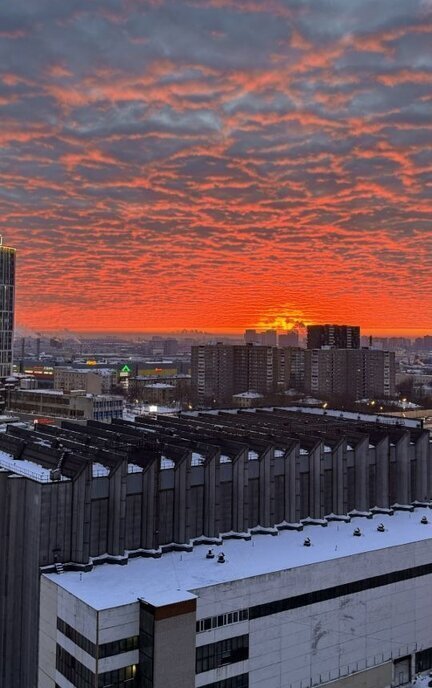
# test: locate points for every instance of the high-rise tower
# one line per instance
(7, 307)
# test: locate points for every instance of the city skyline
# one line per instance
(218, 165)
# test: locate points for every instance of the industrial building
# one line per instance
(343, 611)
(58, 404)
(75, 496)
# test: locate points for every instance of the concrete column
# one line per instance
(291, 467)
(382, 473)
(266, 488)
(117, 509)
(181, 498)
(150, 503)
(403, 471)
(240, 483)
(339, 456)
(422, 487)
(315, 480)
(361, 466)
(211, 494)
(81, 509)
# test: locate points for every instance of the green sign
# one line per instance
(126, 369)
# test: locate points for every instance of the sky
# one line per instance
(218, 164)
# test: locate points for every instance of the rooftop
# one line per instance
(174, 576)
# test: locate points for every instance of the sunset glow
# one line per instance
(218, 164)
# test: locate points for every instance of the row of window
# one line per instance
(222, 620)
(81, 677)
(241, 681)
(223, 652)
(75, 672)
(297, 601)
(115, 647)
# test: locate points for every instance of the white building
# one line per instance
(347, 611)
(91, 381)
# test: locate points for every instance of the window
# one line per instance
(146, 642)
(224, 652)
(116, 647)
(75, 672)
(222, 620)
(423, 660)
(297, 601)
(78, 639)
(241, 681)
(120, 678)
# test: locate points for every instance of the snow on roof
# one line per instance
(159, 385)
(27, 469)
(247, 395)
(175, 575)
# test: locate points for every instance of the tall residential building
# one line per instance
(221, 370)
(252, 337)
(291, 367)
(333, 336)
(354, 374)
(7, 307)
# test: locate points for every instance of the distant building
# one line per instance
(221, 370)
(7, 307)
(291, 368)
(289, 339)
(98, 381)
(247, 399)
(252, 337)
(354, 374)
(333, 336)
(57, 404)
(266, 338)
(159, 393)
(269, 338)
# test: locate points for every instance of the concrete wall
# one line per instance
(174, 647)
(379, 677)
(326, 641)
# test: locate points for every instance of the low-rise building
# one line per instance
(58, 404)
(247, 399)
(98, 381)
(339, 606)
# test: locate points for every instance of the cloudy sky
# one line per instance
(218, 164)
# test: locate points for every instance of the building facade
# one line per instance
(221, 370)
(98, 381)
(350, 373)
(333, 336)
(79, 495)
(7, 308)
(342, 612)
(57, 404)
